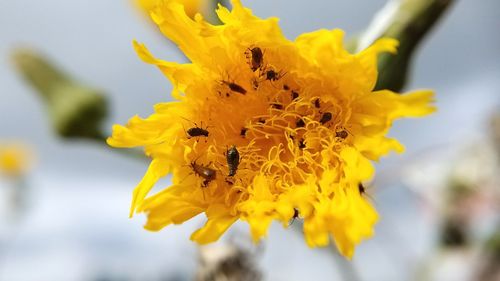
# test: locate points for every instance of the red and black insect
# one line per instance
(276, 105)
(343, 134)
(317, 103)
(327, 116)
(208, 174)
(235, 87)
(300, 123)
(273, 75)
(243, 131)
(302, 144)
(256, 57)
(361, 189)
(296, 215)
(197, 131)
(233, 160)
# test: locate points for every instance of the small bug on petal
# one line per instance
(256, 58)
(233, 160)
(208, 174)
(327, 116)
(235, 87)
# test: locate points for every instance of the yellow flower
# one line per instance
(14, 159)
(190, 6)
(263, 129)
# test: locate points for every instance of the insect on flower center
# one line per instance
(280, 127)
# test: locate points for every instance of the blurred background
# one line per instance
(66, 217)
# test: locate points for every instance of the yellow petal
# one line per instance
(157, 169)
(219, 220)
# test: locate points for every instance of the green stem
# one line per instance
(408, 21)
(76, 110)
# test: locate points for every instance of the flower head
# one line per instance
(14, 159)
(263, 128)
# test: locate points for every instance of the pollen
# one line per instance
(290, 129)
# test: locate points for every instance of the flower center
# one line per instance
(279, 129)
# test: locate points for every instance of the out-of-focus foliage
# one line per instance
(408, 21)
(76, 110)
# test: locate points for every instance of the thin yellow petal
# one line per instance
(219, 220)
(157, 169)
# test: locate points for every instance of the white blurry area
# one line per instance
(76, 226)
